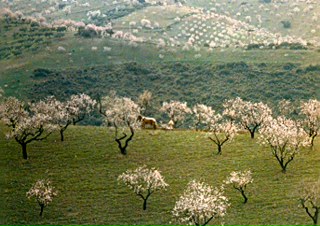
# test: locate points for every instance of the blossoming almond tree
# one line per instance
(176, 110)
(199, 204)
(43, 192)
(70, 112)
(250, 116)
(27, 126)
(59, 113)
(203, 115)
(144, 102)
(239, 181)
(221, 131)
(310, 110)
(122, 113)
(79, 106)
(143, 182)
(285, 137)
(310, 200)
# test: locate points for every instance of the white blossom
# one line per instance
(251, 116)
(176, 110)
(285, 137)
(310, 199)
(240, 180)
(143, 181)
(43, 192)
(199, 204)
(310, 110)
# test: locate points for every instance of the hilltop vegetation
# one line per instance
(207, 84)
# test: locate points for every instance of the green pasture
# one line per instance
(84, 170)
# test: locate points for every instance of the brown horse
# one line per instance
(147, 121)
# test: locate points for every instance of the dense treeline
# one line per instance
(207, 84)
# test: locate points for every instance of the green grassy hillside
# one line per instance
(85, 167)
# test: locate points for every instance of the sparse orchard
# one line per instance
(143, 182)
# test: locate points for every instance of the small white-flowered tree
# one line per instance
(239, 181)
(79, 106)
(199, 204)
(251, 116)
(145, 101)
(285, 137)
(176, 110)
(43, 193)
(70, 112)
(310, 200)
(34, 124)
(143, 182)
(121, 113)
(310, 110)
(203, 115)
(221, 131)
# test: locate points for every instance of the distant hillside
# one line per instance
(188, 24)
(192, 51)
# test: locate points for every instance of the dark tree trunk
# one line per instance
(252, 134)
(123, 148)
(312, 140)
(219, 149)
(41, 211)
(315, 217)
(144, 204)
(24, 151)
(244, 196)
(61, 135)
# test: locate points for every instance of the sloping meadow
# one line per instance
(84, 170)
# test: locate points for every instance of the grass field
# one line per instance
(84, 170)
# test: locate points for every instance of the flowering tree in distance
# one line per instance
(79, 106)
(121, 112)
(285, 137)
(70, 112)
(43, 192)
(176, 110)
(310, 110)
(250, 116)
(203, 115)
(143, 182)
(221, 132)
(144, 101)
(199, 204)
(27, 126)
(239, 181)
(310, 200)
